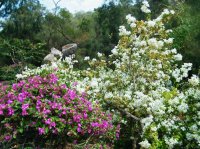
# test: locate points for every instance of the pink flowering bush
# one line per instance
(39, 110)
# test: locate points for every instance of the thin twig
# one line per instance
(56, 5)
(123, 111)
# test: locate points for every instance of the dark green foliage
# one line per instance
(7, 73)
(187, 32)
(109, 17)
(25, 22)
(22, 51)
(9, 6)
(57, 29)
(157, 6)
(16, 54)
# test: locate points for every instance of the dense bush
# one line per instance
(16, 54)
(8, 73)
(43, 113)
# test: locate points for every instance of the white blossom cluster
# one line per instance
(142, 82)
(194, 80)
(123, 31)
(181, 73)
(63, 68)
(145, 7)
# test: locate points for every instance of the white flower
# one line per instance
(86, 58)
(99, 54)
(143, 43)
(80, 88)
(151, 23)
(108, 95)
(145, 144)
(194, 80)
(94, 59)
(160, 44)
(169, 31)
(183, 107)
(156, 44)
(152, 41)
(19, 76)
(169, 41)
(94, 82)
(115, 51)
(166, 11)
(153, 128)
(54, 65)
(123, 31)
(172, 11)
(147, 121)
(171, 142)
(178, 57)
(133, 25)
(145, 7)
(193, 127)
(145, 3)
(130, 19)
(174, 51)
(26, 68)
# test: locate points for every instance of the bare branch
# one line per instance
(56, 5)
(123, 111)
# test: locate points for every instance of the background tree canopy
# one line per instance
(29, 30)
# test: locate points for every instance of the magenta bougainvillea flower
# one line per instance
(42, 106)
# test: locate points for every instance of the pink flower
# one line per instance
(64, 112)
(53, 78)
(63, 86)
(85, 115)
(41, 131)
(14, 87)
(46, 111)
(1, 112)
(118, 131)
(89, 130)
(72, 94)
(10, 101)
(75, 84)
(24, 108)
(48, 121)
(10, 111)
(77, 118)
(53, 124)
(89, 108)
(94, 124)
(78, 129)
(7, 138)
(21, 97)
(2, 107)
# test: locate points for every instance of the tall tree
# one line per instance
(58, 29)
(25, 22)
(8, 6)
(187, 32)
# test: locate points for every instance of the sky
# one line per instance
(74, 5)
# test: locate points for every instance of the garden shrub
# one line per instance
(43, 113)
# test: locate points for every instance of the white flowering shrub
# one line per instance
(142, 79)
